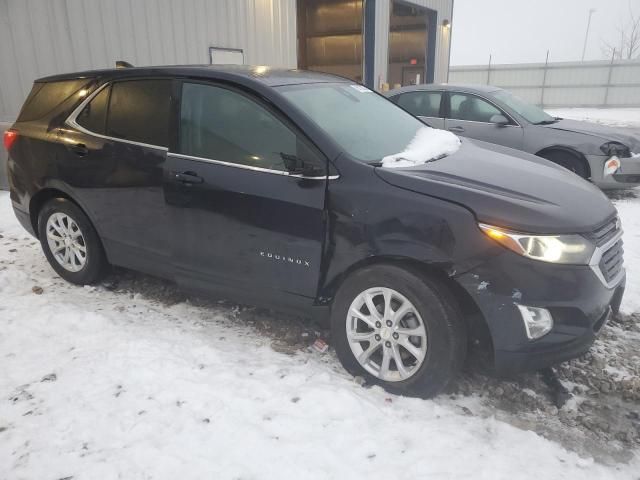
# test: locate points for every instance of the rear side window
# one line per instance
(139, 111)
(93, 116)
(421, 104)
(221, 124)
(44, 97)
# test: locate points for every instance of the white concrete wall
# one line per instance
(45, 37)
(444, 9)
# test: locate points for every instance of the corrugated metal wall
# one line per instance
(444, 9)
(44, 37)
(572, 84)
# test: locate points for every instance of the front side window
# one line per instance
(364, 124)
(530, 112)
(471, 108)
(93, 116)
(421, 104)
(139, 111)
(221, 124)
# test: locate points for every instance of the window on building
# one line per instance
(94, 115)
(421, 104)
(139, 111)
(221, 124)
(471, 108)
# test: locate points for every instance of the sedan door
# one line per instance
(424, 104)
(246, 192)
(470, 116)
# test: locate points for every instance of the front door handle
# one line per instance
(188, 178)
(79, 149)
(456, 129)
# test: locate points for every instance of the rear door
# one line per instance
(426, 105)
(114, 159)
(469, 115)
(242, 222)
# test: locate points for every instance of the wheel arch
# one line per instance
(477, 326)
(570, 151)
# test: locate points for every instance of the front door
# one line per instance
(469, 116)
(242, 222)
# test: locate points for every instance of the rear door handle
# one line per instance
(456, 129)
(188, 178)
(79, 149)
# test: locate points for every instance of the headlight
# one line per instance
(616, 149)
(568, 249)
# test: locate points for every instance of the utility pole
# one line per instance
(586, 35)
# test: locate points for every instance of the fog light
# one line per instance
(537, 321)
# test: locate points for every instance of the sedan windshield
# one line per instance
(529, 112)
(365, 125)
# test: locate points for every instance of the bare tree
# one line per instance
(628, 44)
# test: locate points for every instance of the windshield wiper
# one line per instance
(547, 122)
(378, 163)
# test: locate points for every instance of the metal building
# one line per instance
(375, 42)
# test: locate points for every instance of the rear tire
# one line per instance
(567, 160)
(70, 242)
(434, 353)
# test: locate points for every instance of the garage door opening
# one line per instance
(408, 45)
(330, 37)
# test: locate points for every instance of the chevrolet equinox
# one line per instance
(272, 187)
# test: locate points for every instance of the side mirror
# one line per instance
(499, 120)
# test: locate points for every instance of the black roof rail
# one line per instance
(123, 64)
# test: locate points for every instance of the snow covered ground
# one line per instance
(615, 117)
(101, 384)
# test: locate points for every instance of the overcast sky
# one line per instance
(516, 31)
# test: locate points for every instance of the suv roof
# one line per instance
(265, 75)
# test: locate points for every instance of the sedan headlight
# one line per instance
(568, 249)
(615, 149)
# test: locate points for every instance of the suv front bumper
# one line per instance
(578, 300)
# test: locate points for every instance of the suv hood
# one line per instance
(508, 188)
(607, 134)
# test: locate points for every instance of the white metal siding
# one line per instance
(574, 84)
(444, 9)
(45, 37)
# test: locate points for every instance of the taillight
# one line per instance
(10, 136)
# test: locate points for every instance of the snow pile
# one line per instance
(428, 143)
(629, 212)
(98, 384)
(613, 117)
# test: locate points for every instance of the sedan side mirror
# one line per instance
(499, 120)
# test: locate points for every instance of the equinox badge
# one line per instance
(283, 258)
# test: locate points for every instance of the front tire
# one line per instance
(70, 242)
(398, 329)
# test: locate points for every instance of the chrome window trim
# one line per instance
(71, 121)
(249, 167)
(594, 263)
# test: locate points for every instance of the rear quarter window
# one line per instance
(139, 111)
(45, 96)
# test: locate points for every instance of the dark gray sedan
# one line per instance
(606, 156)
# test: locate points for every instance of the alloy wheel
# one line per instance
(386, 334)
(66, 242)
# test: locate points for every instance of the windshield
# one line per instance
(365, 125)
(529, 112)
